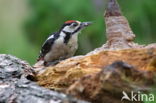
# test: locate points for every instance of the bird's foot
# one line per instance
(51, 63)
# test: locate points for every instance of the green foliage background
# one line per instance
(25, 24)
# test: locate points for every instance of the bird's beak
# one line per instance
(85, 24)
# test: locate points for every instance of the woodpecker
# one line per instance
(62, 44)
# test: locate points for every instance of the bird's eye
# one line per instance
(74, 24)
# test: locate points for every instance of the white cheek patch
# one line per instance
(68, 29)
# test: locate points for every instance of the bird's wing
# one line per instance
(46, 47)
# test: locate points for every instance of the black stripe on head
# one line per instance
(68, 23)
(69, 34)
(78, 29)
(67, 37)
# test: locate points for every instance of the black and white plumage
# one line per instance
(62, 44)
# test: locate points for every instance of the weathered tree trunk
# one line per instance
(102, 75)
(15, 86)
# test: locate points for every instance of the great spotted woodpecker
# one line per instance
(62, 44)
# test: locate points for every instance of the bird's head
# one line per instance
(73, 26)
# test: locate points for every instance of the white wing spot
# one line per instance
(51, 36)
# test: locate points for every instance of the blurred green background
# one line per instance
(25, 24)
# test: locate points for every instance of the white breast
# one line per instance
(60, 50)
(72, 44)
